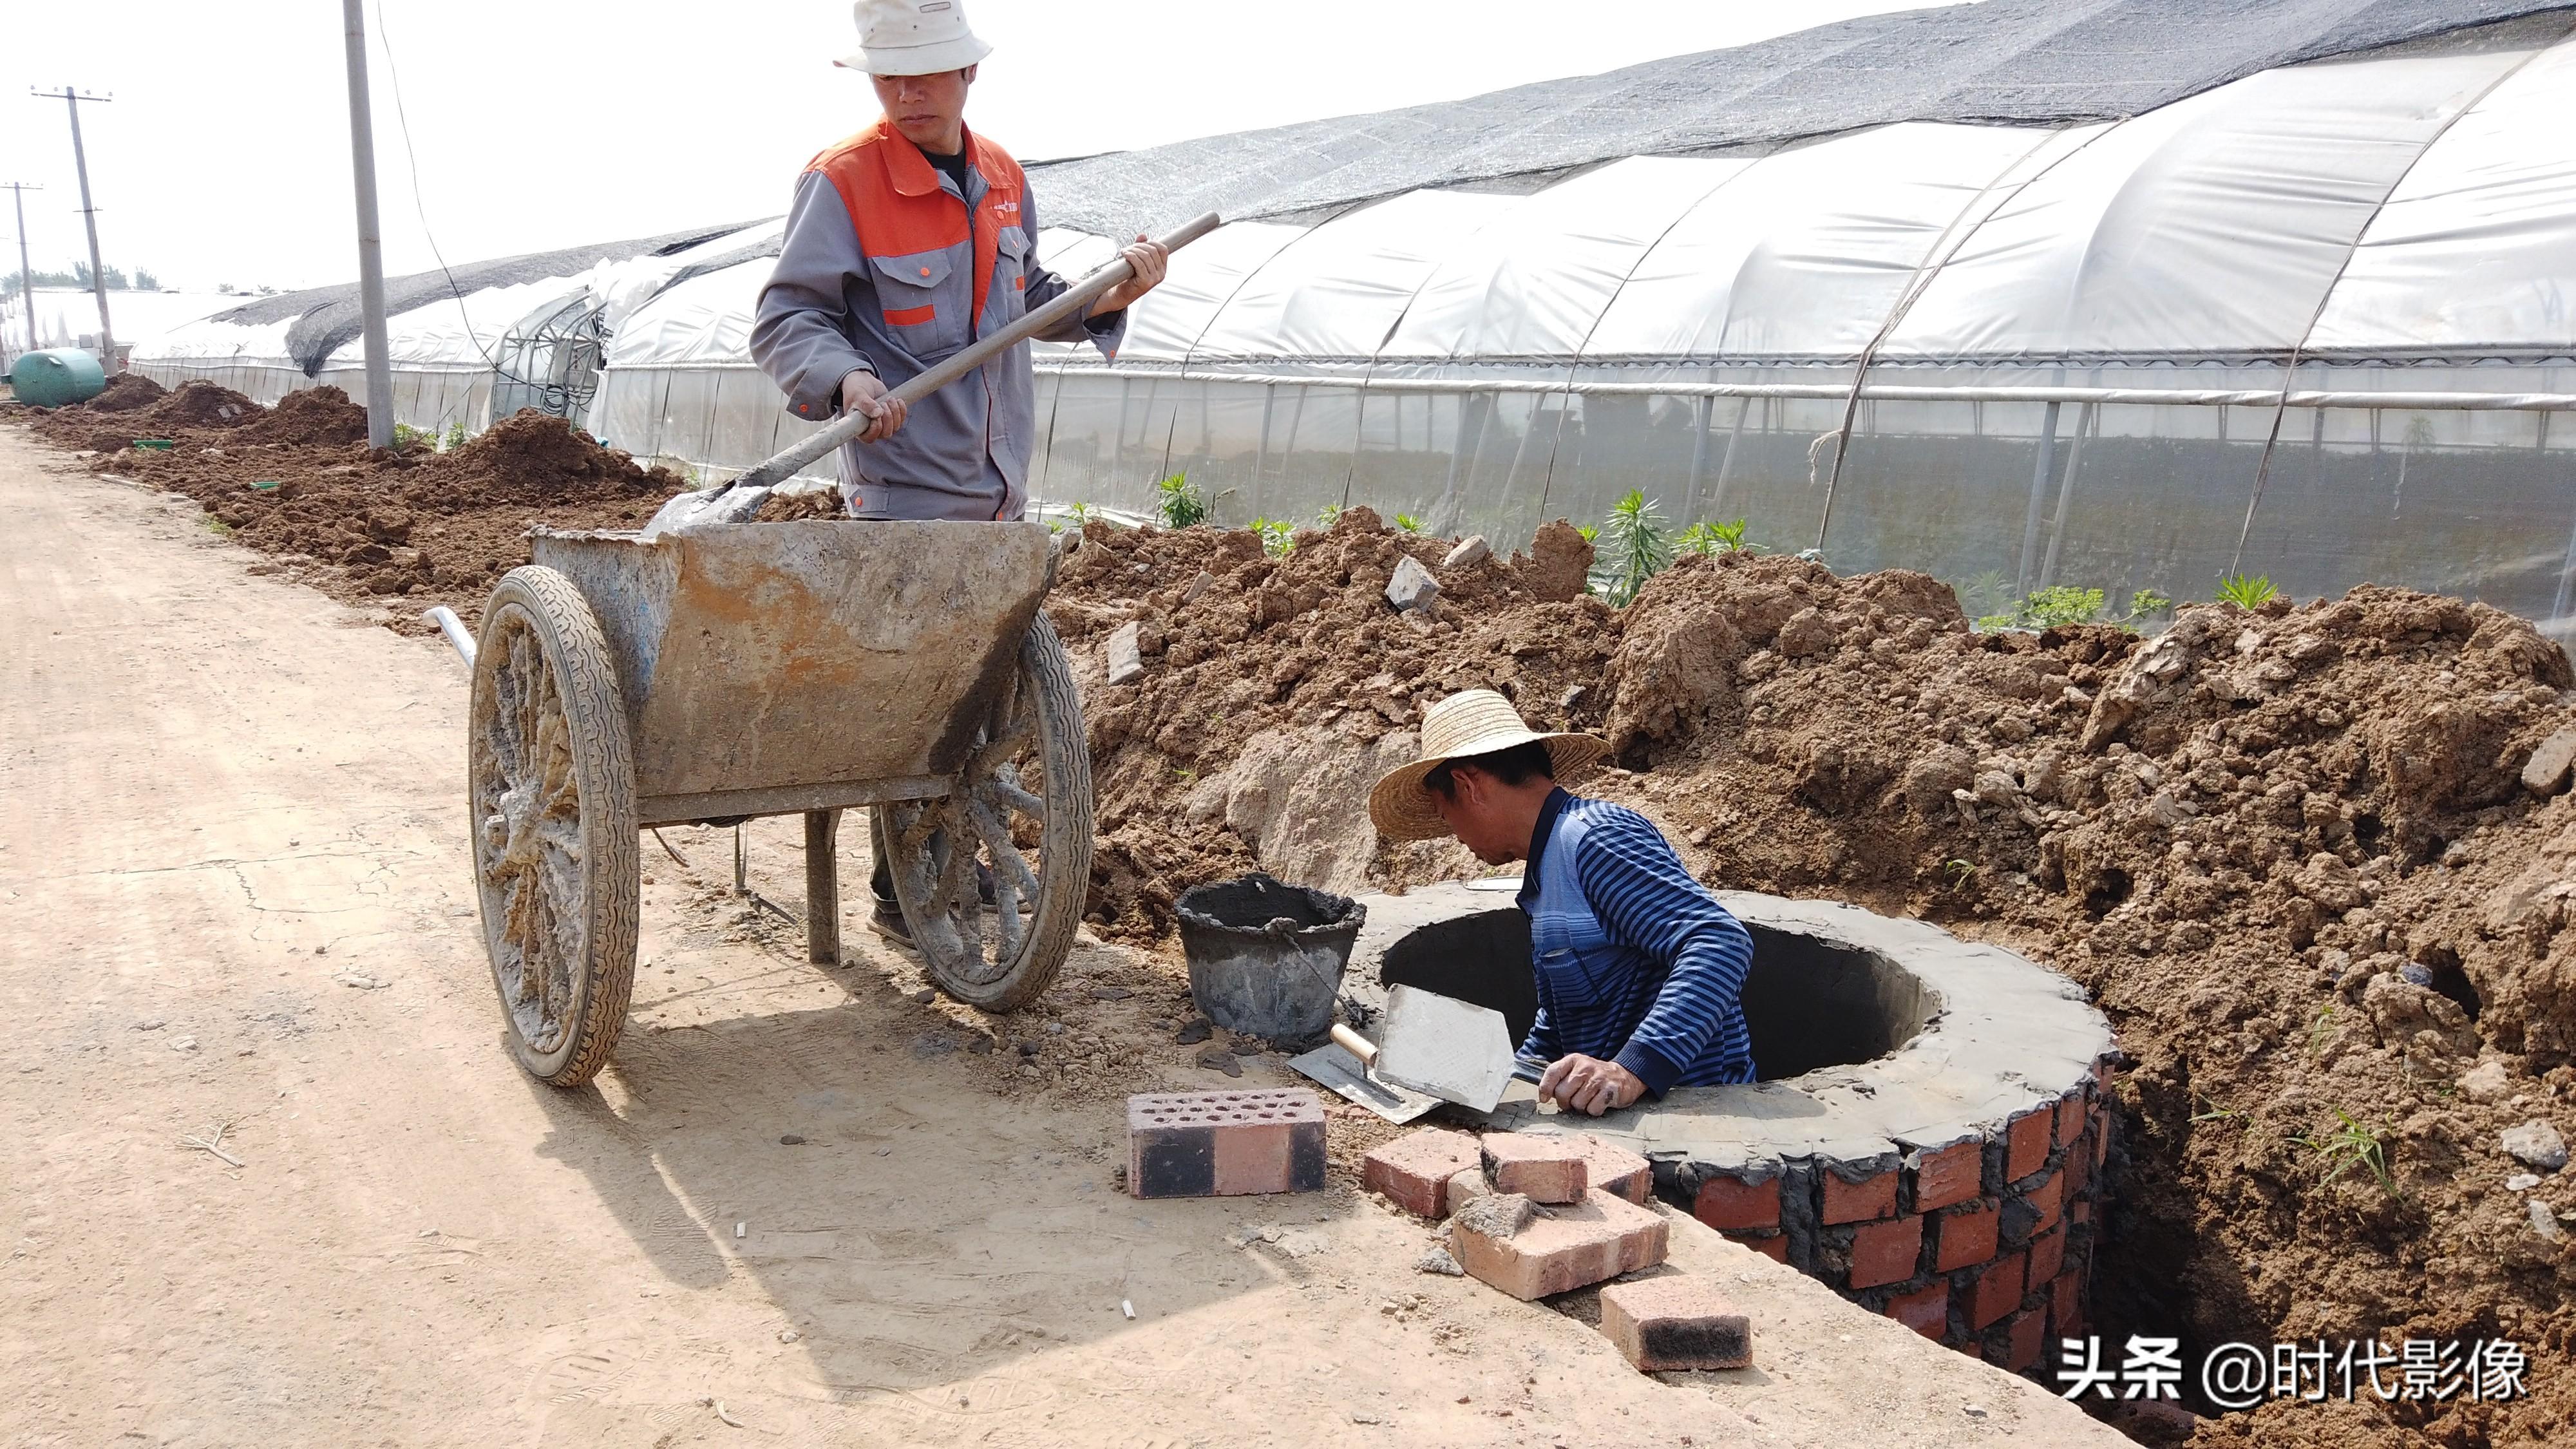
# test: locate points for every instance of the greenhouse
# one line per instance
(2119, 296)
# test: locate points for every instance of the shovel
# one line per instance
(1437, 1046)
(738, 499)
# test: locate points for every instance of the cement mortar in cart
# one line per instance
(730, 671)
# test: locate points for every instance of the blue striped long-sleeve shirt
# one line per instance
(1635, 962)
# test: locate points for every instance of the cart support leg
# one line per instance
(823, 886)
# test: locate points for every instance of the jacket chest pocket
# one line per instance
(1010, 273)
(923, 313)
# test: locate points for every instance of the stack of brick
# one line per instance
(1534, 1216)
(1983, 1242)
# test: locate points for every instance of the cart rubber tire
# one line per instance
(1044, 696)
(551, 788)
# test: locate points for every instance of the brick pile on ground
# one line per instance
(1540, 1216)
(2308, 858)
(298, 481)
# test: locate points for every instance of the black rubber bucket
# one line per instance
(1266, 958)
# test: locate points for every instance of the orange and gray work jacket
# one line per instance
(888, 267)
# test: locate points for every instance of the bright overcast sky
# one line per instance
(547, 123)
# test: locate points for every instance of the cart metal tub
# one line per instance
(741, 670)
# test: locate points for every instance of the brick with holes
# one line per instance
(1224, 1144)
(1676, 1322)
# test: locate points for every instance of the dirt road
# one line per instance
(233, 895)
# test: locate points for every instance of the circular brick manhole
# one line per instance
(1929, 1127)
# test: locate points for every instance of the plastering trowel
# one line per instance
(1433, 1049)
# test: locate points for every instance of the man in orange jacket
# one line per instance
(905, 243)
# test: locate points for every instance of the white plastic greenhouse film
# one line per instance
(1337, 291)
(1533, 281)
(2210, 227)
(2477, 246)
(1805, 253)
(1166, 325)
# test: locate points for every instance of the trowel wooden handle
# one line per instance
(1356, 1044)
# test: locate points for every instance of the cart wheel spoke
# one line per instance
(1017, 822)
(552, 790)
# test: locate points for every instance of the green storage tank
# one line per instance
(57, 378)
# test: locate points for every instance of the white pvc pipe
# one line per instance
(454, 628)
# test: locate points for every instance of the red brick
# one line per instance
(1676, 1322)
(2102, 1141)
(1732, 1206)
(2078, 1168)
(1223, 1144)
(2102, 1074)
(1560, 1248)
(1465, 1186)
(1951, 1175)
(2070, 1117)
(2066, 1304)
(2047, 1255)
(1996, 1292)
(2080, 1211)
(1414, 1170)
(2048, 1200)
(1774, 1246)
(1616, 1170)
(2025, 1341)
(2026, 1144)
(1964, 1237)
(1926, 1310)
(1885, 1252)
(1847, 1202)
(1542, 1169)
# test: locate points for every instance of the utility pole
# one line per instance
(89, 214)
(371, 239)
(26, 273)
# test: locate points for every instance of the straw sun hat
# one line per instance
(1470, 722)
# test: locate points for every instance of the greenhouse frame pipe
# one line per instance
(1900, 392)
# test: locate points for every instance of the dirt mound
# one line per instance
(413, 524)
(313, 417)
(2291, 851)
(125, 392)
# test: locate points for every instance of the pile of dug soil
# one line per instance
(127, 391)
(2290, 851)
(299, 481)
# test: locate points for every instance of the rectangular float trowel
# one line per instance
(1432, 1049)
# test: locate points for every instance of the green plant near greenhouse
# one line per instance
(1407, 523)
(1709, 538)
(1277, 536)
(2060, 605)
(1181, 504)
(2249, 593)
(1640, 546)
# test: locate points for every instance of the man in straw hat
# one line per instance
(905, 243)
(1640, 971)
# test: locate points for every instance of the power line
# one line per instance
(402, 119)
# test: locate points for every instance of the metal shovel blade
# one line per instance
(1455, 1050)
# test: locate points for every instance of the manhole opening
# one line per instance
(1808, 1003)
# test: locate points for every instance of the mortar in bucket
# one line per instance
(1266, 958)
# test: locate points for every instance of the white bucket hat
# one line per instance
(1470, 722)
(913, 37)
